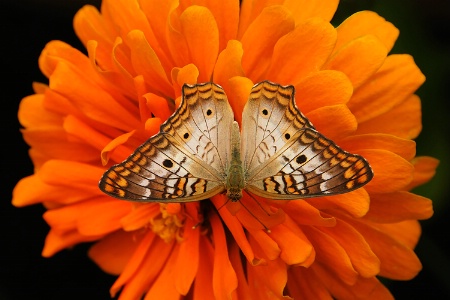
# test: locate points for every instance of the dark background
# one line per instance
(26, 26)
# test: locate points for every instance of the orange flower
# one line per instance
(98, 108)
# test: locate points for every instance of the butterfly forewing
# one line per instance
(269, 119)
(187, 160)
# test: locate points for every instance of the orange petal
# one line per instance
(128, 16)
(424, 170)
(228, 64)
(305, 9)
(308, 46)
(203, 288)
(163, 287)
(334, 121)
(398, 261)
(143, 268)
(115, 149)
(140, 216)
(391, 172)
(102, 217)
(56, 52)
(53, 143)
(92, 101)
(355, 203)
(237, 231)
(65, 218)
(367, 22)
(187, 261)
(303, 284)
(226, 14)
(187, 74)
(74, 175)
(257, 213)
(265, 242)
(146, 62)
(157, 13)
(364, 288)
(359, 59)
(158, 106)
(42, 192)
(57, 241)
(23, 195)
(89, 25)
(322, 88)
(224, 278)
(403, 147)
(304, 213)
(397, 78)
(295, 246)
(399, 206)
(200, 31)
(243, 291)
(113, 252)
(406, 232)
(404, 120)
(332, 255)
(365, 262)
(268, 281)
(32, 113)
(238, 92)
(260, 38)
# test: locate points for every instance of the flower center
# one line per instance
(168, 225)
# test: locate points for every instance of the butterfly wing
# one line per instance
(285, 157)
(186, 160)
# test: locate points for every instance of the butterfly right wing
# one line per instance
(285, 157)
(186, 160)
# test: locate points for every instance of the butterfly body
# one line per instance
(201, 151)
(235, 176)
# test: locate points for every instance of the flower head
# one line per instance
(99, 107)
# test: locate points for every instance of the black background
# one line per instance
(26, 27)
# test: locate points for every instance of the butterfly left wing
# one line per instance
(285, 157)
(187, 160)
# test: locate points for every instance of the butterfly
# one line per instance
(200, 152)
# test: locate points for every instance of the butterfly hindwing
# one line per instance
(310, 165)
(186, 160)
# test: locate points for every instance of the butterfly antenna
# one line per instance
(225, 203)
(259, 204)
(253, 215)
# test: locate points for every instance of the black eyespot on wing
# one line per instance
(301, 159)
(186, 135)
(209, 112)
(168, 163)
(287, 136)
(265, 112)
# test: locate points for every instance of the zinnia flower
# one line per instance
(97, 108)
